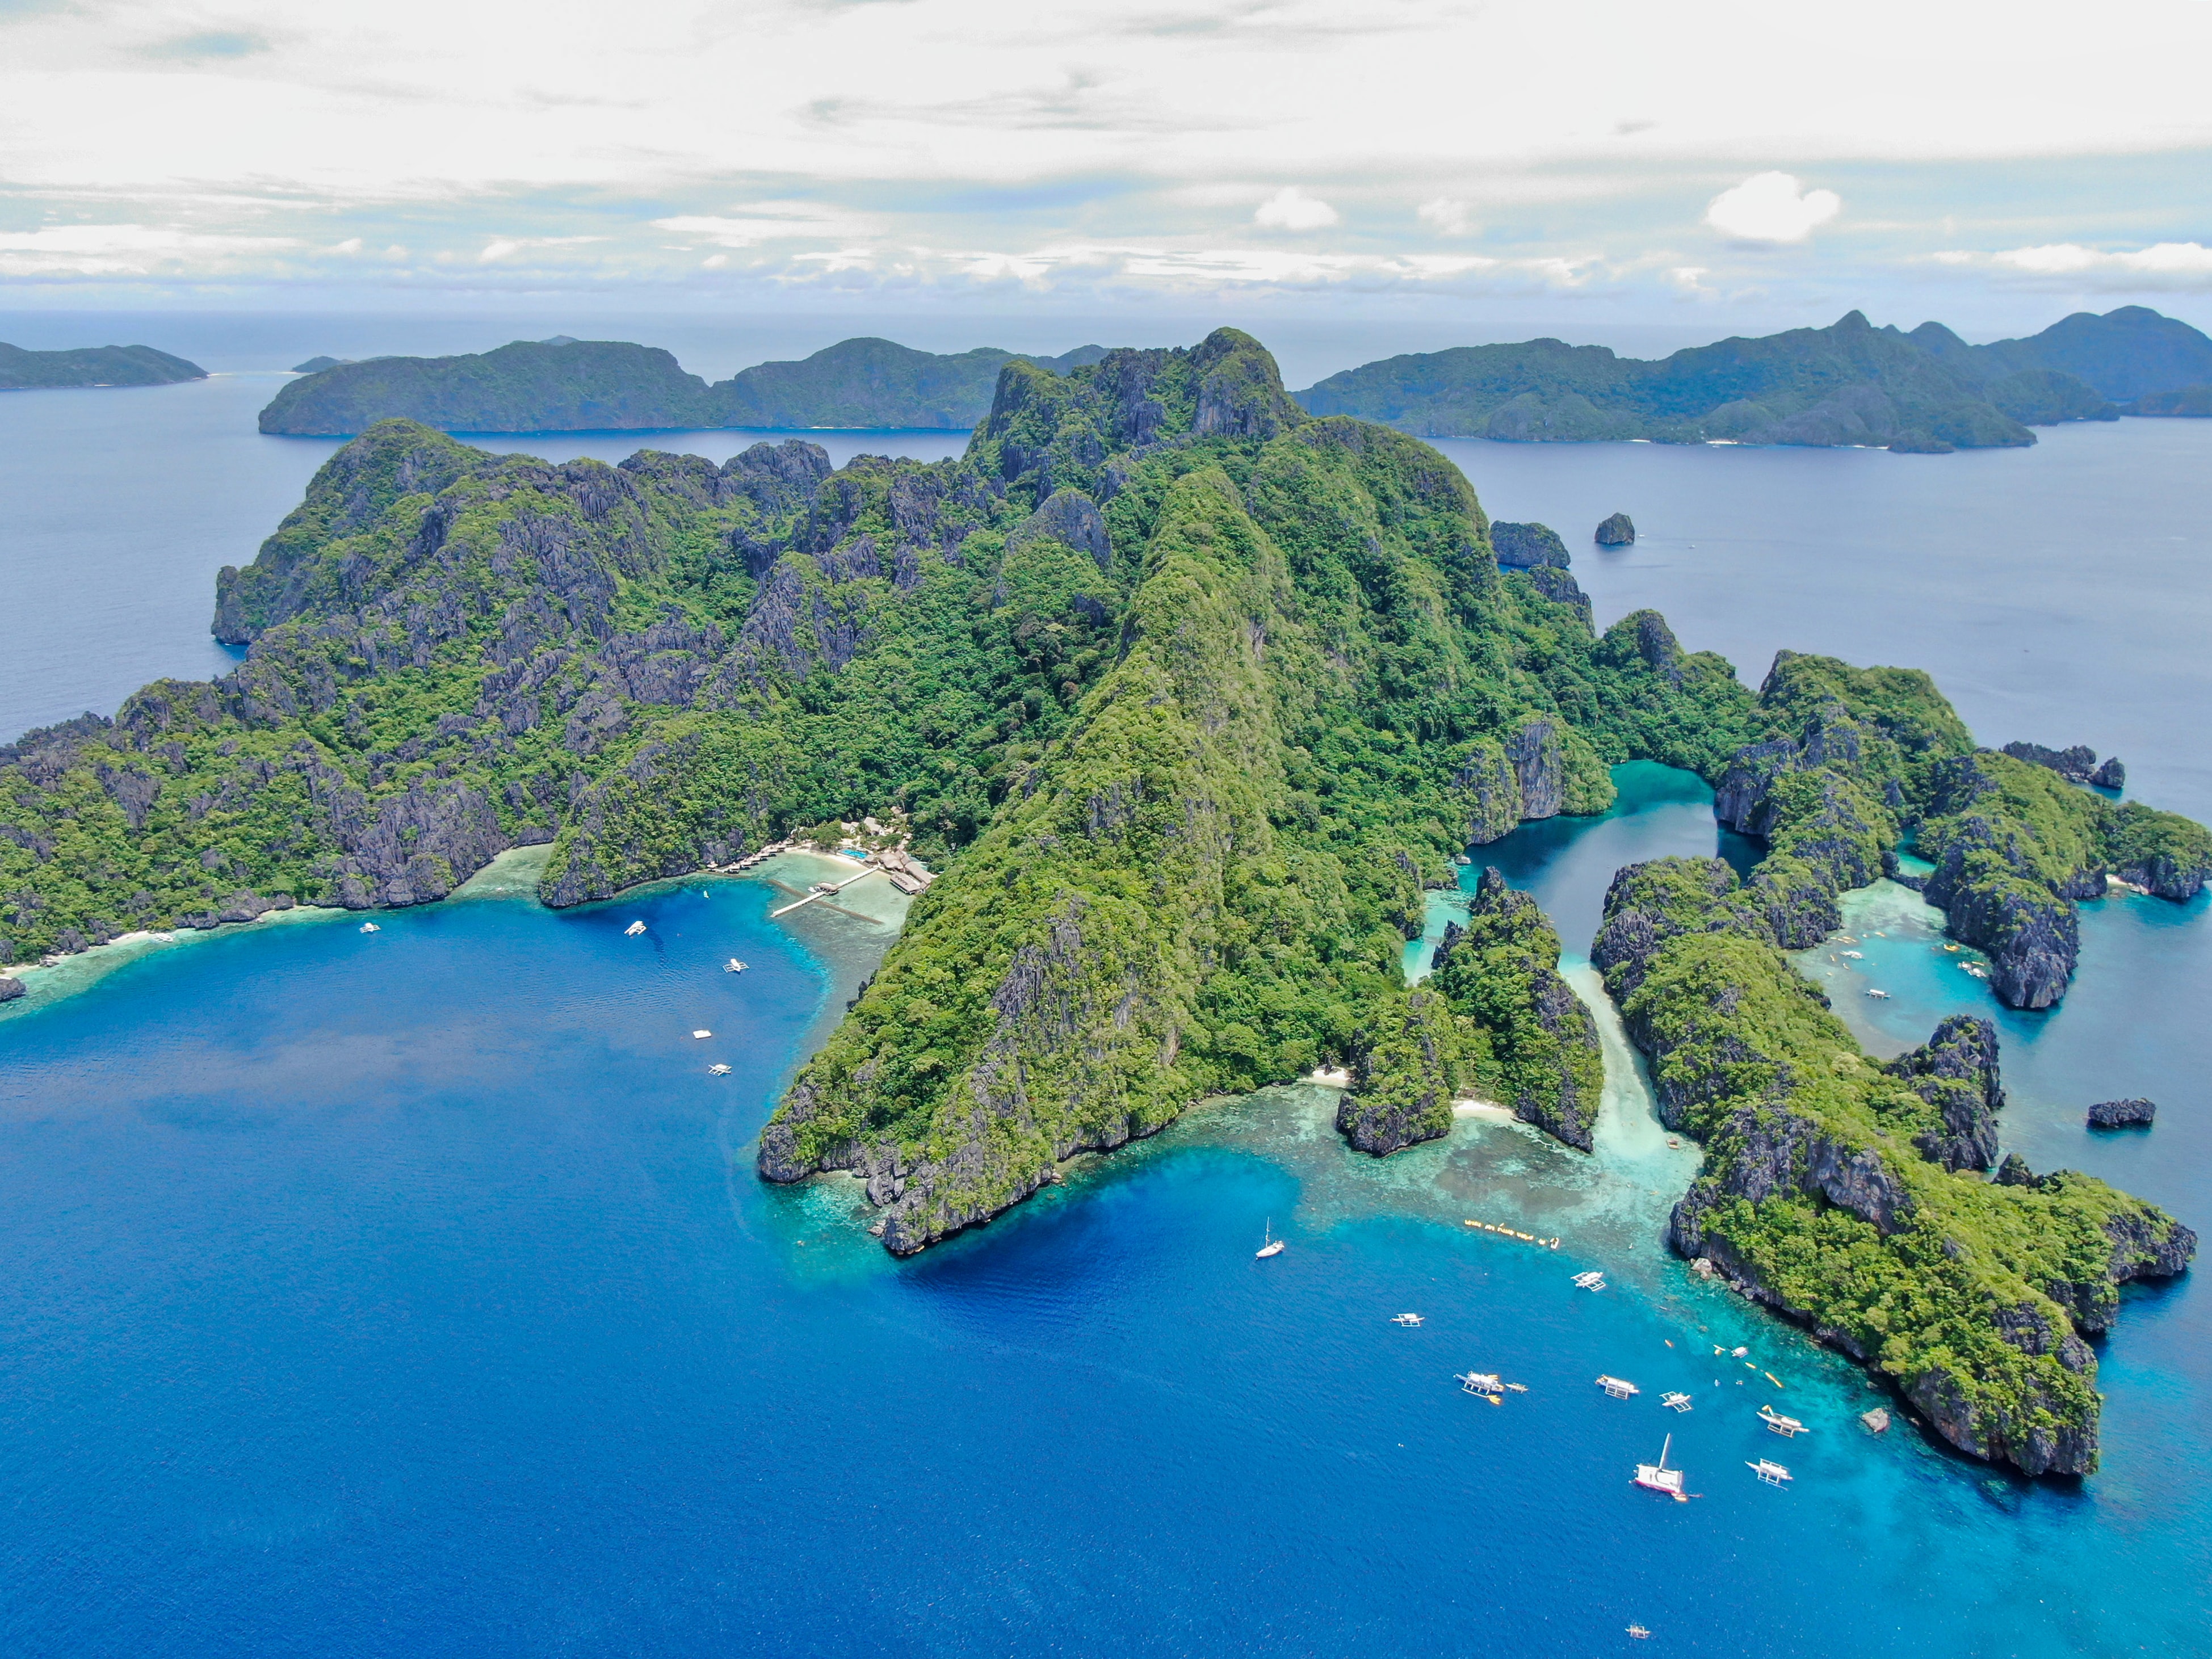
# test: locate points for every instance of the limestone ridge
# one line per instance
(1857, 759)
(563, 385)
(1828, 1191)
(1204, 884)
(1538, 1048)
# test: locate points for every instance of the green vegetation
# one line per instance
(1824, 1194)
(1847, 384)
(1189, 696)
(92, 366)
(2124, 355)
(1536, 1047)
(573, 386)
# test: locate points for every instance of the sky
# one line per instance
(1706, 165)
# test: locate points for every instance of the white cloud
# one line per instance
(1291, 208)
(1772, 207)
(125, 249)
(766, 222)
(1448, 217)
(2185, 266)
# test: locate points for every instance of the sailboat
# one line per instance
(1272, 1247)
(1657, 1477)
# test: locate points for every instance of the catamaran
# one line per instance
(1657, 1477)
(1273, 1246)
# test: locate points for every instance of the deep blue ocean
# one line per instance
(410, 1293)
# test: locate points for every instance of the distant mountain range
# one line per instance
(92, 366)
(573, 386)
(1851, 383)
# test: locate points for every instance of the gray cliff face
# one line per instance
(2076, 765)
(1382, 1127)
(1637, 923)
(1619, 531)
(1070, 516)
(1539, 765)
(1527, 546)
(9, 989)
(2122, 1115)
(2166, 877)
(2031, 935)
(2044, 1440)
(1042, 1008)
(1955, 1070)
(1561, 588)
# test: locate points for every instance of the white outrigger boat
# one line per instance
(1619, 1388)
(1485, 1383)
(1771, 1472)
(1273, 1246)
(1657, 1477)
(1408, 1320)
(1676, 1402)
(633, 930)
(1788, 1427)
(718, 1071)
(733, 966)
(370, 927)
(1592, 1280)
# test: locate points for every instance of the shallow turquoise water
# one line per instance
(410, 1292)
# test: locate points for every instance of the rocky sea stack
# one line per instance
(2122, 1115)
(1616, 532)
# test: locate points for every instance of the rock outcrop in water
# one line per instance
(2123, 1115)
(1828, 1191)
(1616, 532)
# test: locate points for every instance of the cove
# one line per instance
(411, 1293)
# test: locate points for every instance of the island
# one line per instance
(1192, 697)
(92, 366)
(1925, 393)
(566, 385)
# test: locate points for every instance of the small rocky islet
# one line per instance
(1192, 696)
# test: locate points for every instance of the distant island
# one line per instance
(92, 366)
(1927, 392)
(1191, 697)
(564, 384)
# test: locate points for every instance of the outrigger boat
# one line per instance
(1639, 1632)
(1405, 1319)
(1480, 1382)
(1676, 1402)
(370, 927)
(1592, 1280)
(1619, 1388)
(1770, 1472)
(1273, 1246)
(1657, 1477)
(733, 966)
(633, 930)
(718, 1071)
(1788, 1427)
